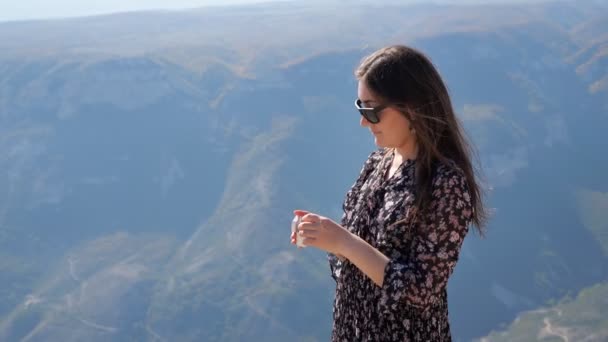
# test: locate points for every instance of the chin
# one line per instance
(380, 143)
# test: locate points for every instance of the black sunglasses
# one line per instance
(370, 114)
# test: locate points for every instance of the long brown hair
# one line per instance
(406, 77)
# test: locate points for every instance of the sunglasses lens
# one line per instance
(370, 116)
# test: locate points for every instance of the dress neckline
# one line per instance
(386, 167)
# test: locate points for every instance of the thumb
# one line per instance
(300, 213)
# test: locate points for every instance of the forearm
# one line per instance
(340, 257)
(367, 258)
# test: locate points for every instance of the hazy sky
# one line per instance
(43, 9)
(38, 9)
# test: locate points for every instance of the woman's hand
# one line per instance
(325, 234)
(322, 233)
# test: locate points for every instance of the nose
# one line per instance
(363, 122)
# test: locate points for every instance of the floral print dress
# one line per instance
(411, 305)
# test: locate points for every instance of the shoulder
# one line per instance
(377, 155)
(450, 196)
(449, 178)
(373, 159)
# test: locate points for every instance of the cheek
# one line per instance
(398, 128)
(406, 134)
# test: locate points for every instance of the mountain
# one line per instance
(150, 163)
(574, 319)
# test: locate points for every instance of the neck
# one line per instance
(405, 152)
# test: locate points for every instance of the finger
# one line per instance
(300, 213)
(308, 233)
(308, 225)
(310, 241)
(311, 218)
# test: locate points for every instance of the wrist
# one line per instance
(347, 245)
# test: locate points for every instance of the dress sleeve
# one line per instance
(335, 264)
(419, 278)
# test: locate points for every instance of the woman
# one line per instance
(407, 214)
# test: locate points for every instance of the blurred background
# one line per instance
(151, 155)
